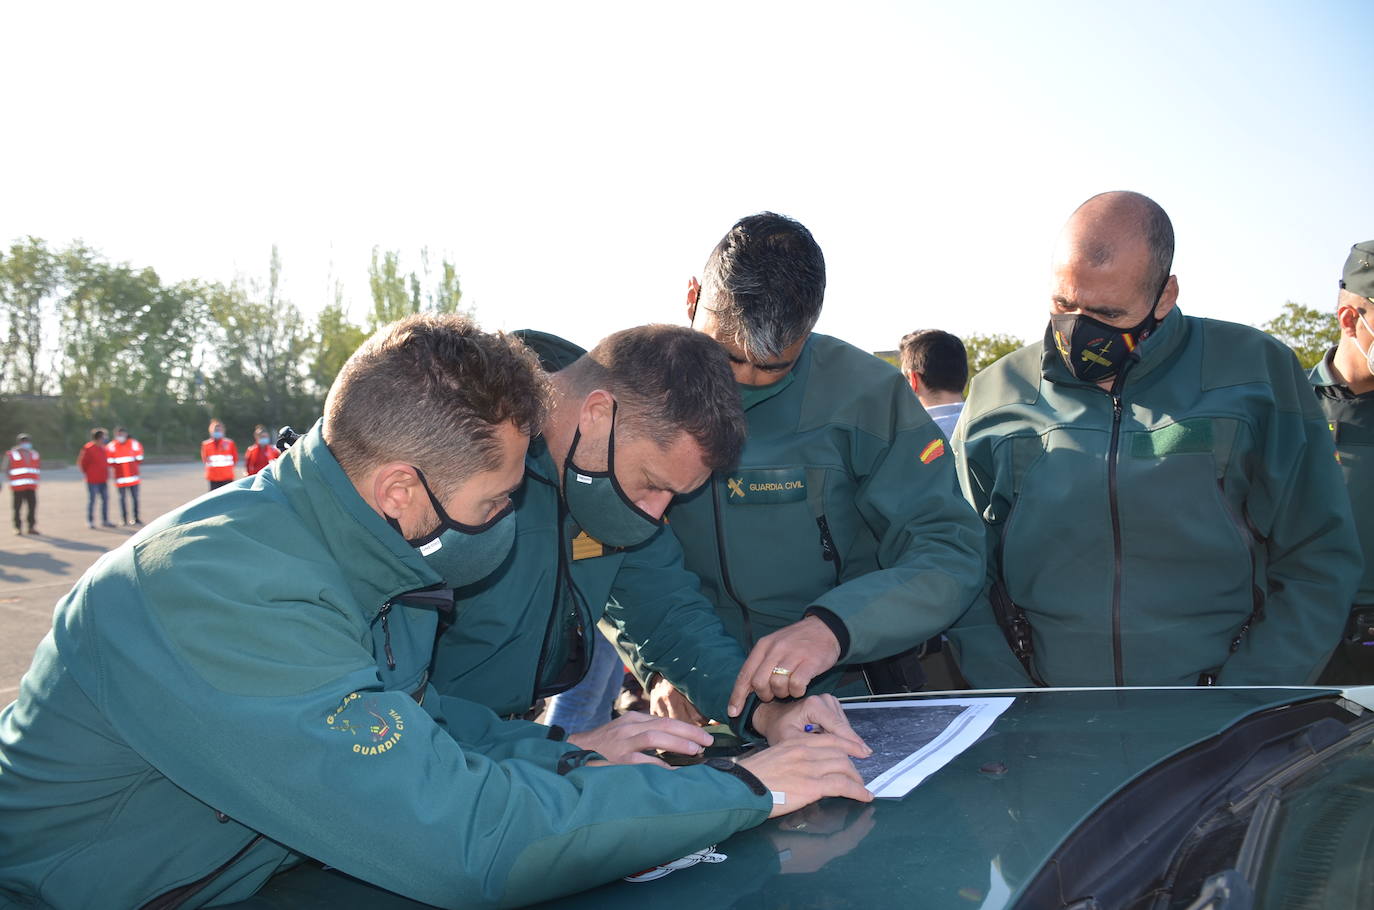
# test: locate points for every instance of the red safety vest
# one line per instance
(219, 456)
(124, 458)
(23, 467)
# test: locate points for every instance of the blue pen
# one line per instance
(811, 728)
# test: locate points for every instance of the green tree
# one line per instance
(260, 353)
(336, 338)
(985, 350)
(397, 293)
(29, 276)
(1307, 331)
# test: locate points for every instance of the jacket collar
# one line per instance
(1154, 353)
(1323, 376)
(376, 562)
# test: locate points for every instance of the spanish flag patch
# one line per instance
(932, 451)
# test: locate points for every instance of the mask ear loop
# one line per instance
(445, 522)
(610, 468)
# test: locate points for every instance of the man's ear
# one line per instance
(693, 296)
(1349, 320)
(596, 412)
(395, 488)
(1169, 299)
(914, 380)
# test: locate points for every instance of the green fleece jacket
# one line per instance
(242, 683)
(1350, 418)
(522, 633)
(844, 505)
(1194, 525)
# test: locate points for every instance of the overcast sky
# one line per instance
(578, 161)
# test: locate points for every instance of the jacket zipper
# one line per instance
(1113, 455)
(180, 895)
(828, 550)
(724, 565)
(386, 635)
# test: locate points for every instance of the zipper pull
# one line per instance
(386, 637)
(1116, 406)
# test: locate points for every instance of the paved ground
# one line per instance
(35, 572)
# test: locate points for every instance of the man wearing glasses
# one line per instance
(1344, 381)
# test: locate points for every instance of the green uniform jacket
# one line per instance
(1350, 418)
(521, 634)
(1198, 528)
(844, 504)
(239, 685)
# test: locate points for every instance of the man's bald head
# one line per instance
(1121, 230)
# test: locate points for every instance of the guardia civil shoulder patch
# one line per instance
(932, 451)
(373, 728)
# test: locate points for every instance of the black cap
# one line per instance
(1358, 276)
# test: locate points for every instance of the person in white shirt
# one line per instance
(936, 365)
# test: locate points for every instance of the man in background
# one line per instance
(125, 454)
(23, 465)
(219, 454)
(1344, 382)
(260, 453)
(936, 366)
(95, 467)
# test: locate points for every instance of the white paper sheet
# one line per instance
(912, 739)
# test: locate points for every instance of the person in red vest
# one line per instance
(260, 452)
(23, 463)
(94, 465)
(124, 455)
(219, 454)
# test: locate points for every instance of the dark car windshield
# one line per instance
(1280, 804)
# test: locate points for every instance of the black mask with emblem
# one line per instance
(1094, 350)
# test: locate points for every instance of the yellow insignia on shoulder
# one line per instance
(585, 547)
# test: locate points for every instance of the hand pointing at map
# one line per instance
(783, 664)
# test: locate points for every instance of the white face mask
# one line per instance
(1367, 352)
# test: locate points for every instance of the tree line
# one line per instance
(88, 342)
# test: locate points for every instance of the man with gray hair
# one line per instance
(1159, 491)
(837, 544)
(1344, 382)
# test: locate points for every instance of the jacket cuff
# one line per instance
(570, 760)
(729, 767)
(835, 625)
(743, 725)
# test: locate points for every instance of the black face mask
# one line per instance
(1093, 350)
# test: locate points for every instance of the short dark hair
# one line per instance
(121, 429)
(97, 432)
(668, 380)
(937, 357)
(430, 390)
(765, 282)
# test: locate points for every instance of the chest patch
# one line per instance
(1176, 439)
(765, 486)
